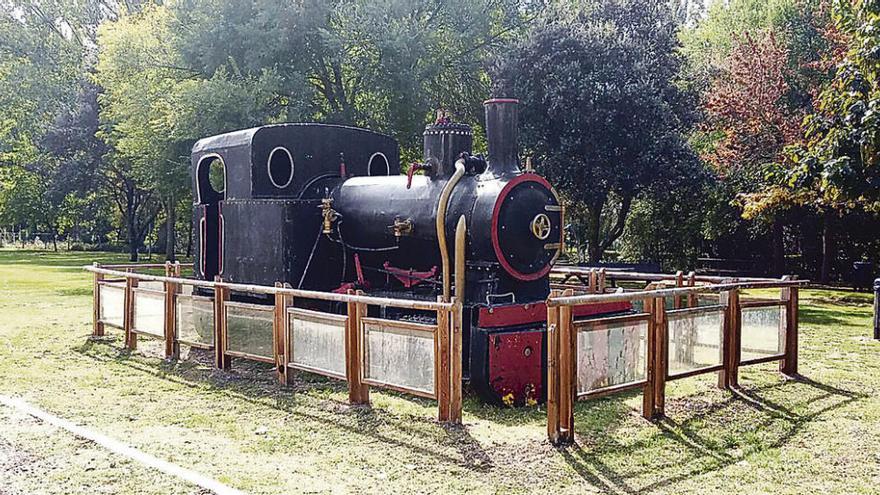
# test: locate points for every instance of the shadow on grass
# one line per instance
(699, 437)
(824, 317)
(255, 383)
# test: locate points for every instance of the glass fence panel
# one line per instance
(149, 312)
(399, 354)
(317, 342)
(249, 329)
(195, 319)
(151, 285)
(708, 299)
(112, 308)
(763, 331)
(611, 354)
(694, 340)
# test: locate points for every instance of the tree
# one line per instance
(602, 114)
(384, 65)
(47, 139)
(176, 72)
(748, 106)
(837, 169)
(741, 52)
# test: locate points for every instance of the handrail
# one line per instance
(264, 289)
(145, 266)
(650, 277)
(677, 291)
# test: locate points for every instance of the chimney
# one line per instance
(502, 136)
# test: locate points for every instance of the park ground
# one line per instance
(820, 435)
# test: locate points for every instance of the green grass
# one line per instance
(821, 435)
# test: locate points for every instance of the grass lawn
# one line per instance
(815, 436)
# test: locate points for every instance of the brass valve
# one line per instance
(329, 215)
(402, 227)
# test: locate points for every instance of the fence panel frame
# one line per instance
(559, 426)
(243, 354)
(433, 330)
(292, 365)
(447, 333)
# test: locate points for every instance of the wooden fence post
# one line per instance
(679, 282)
(594, 281)
(441, 363)
(728, 377)
(789, 364)
(602, 276)
(221, 294)
(358, 392)
(97, 325)
(172, 347)
(552, 382)
(662, 355)
(128, 313)
(650, 362)
(567, 367)
(691, 282)
(278, 330)
(455, 365)
(284, 372)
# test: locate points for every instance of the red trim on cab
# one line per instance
(521, 314)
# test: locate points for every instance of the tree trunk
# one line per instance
(829, 247)
(170, 237)
(594, 246)
(778, 241)
(189, 240)
(132, 237)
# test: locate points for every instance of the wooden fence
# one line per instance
(420, 358)
(681, 326)
(698, 325)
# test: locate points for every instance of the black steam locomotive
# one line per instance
(324, 207)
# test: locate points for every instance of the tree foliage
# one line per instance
(838, 166)
(601, 112)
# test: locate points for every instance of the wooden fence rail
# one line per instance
(564, 372)
(445, 334)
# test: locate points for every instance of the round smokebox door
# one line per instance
(528, 228)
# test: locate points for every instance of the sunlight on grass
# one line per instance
(820, 435)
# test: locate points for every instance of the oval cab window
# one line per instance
(217, 176)
(280, 167)
(378, 165)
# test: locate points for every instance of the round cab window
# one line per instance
(280, 167)
(217, 176)
(378, 165)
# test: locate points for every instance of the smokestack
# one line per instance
(502, 135)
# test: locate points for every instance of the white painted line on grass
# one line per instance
(121, 448)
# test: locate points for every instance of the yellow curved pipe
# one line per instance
(441, 224)
(460, 239)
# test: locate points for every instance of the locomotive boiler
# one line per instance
(324, 207)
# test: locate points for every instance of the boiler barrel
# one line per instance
(370, 206)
